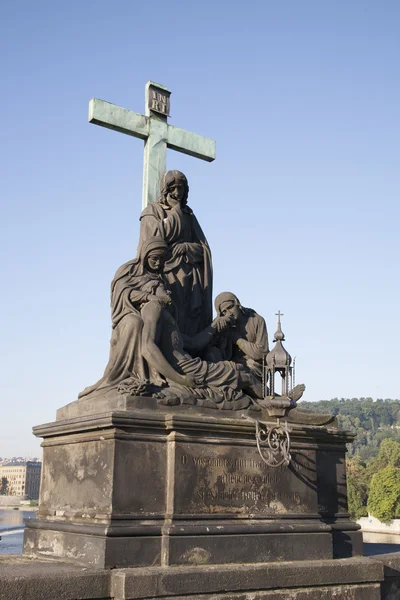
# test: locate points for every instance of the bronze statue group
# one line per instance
(164, 341)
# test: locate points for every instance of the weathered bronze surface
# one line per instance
(164, 342)
(188, 266)
(156, 132)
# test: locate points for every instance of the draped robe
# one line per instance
(129, 291)
(189, 276)
(253, 343)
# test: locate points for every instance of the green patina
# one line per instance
(157, 134)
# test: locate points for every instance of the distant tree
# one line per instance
(373, 459)
(389, 453)
(4, 486)
(384, 494)
(357, 488)
(365, 451)
(372, 421)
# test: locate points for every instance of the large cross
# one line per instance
(157, 134)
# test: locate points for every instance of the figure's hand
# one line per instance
(163, 295)
(191, 381)
(179, 250)
(221, 323)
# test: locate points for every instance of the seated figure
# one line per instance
(146, 345)
(134, 284)
(245, 341)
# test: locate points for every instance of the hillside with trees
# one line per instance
(373, 460)
(372, 421)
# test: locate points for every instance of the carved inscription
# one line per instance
(238, 481)
(159, 100)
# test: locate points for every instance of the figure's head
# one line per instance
(153, 253)
(155, 260)
(228, 305)
(175, 188)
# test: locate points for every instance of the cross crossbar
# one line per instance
(157, 134)
(117, 118)
(190, 143)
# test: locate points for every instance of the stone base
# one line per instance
(350, 579)
(144, 488)
(353, 579)
(289, 542)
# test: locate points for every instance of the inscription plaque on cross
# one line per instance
(157, 134)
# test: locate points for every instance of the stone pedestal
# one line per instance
(153, 486)
(356, 578)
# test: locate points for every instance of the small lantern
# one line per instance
(273, 441)
(278, 361)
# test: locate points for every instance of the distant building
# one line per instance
(23, 479)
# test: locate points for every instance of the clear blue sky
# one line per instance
(301, 207)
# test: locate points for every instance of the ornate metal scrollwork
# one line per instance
(273, 443)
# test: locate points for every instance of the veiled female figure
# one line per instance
(134, 284)
(188, 268)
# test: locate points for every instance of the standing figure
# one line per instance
(188, 268)
(246, 340)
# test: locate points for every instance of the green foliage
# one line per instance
(371, 420)
(389, 453)
(373, 463)
(4, 486)
(357, 498)
(384, 494)
(357, 488)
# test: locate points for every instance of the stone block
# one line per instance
(351, 579)
(170, 487)
(344, 579)
(22, 578)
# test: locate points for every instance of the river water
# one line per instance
(12, 523)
